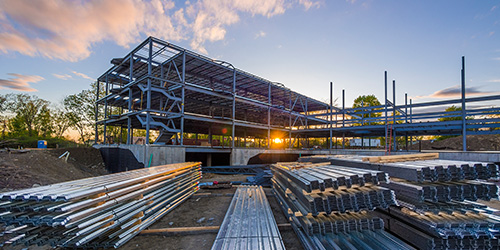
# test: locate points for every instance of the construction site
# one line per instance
(231, 160)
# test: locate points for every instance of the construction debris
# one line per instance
(99, 212)
(249, 223)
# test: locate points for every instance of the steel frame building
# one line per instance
(161, 86)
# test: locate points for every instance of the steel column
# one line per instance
(290, 145)
(269, 117)
(343, 118)
(148, 95)
(97, 111)
(411, 118)
(183, 90)
(331, 110)
(105, 110)
(394, 115)
(385, 107)
(464, 128)
(234, 109)
(406, 119)
(129, 119)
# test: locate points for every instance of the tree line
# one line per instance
(28, 118)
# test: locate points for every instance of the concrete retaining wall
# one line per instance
(161, 155)
(174, 154)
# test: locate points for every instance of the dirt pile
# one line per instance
(474, 143)
(43, 167)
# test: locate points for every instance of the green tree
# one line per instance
(3, 118)
(367, 101)
(452, 109)
(31, 114)
(61, 122)
(80, 112)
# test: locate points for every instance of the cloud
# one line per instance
(63, 76)
(210, 18)
(493, 8)
(309, 4)
(455, 92)
(82, 75)
(491, 33)
(20, 82)
(494, 80)
(68, 30)
(260, 34)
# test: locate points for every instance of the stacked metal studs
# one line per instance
(329, 205)
(99, 212)
(437, 201)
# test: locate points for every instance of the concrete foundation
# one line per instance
(160, 155)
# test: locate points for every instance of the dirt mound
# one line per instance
(42, 167)
(474, 143)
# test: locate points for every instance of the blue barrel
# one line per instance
(42, 144)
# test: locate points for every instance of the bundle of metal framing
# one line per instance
(421, 170)
(444, 230)
(316, 188)
(249, 223)
(99, 212)
(443, 191)
(327, 205)
(436, 198)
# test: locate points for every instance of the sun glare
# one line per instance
(277, 140)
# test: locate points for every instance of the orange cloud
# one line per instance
(82, 75)
(67, 30)
(455, 92)
(20, 82)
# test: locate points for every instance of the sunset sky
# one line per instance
(56, 48)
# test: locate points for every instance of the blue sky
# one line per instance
(55, 48)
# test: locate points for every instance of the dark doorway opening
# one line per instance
(210, 159)
(273, 158)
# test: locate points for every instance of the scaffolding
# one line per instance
(163, 87)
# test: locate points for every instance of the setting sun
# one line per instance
(277, 140)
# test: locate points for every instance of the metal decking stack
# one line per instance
(249, 223)
(437, 200)
(330, 206)
(99, 212)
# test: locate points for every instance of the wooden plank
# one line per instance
(399, 158)
(180, 231)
